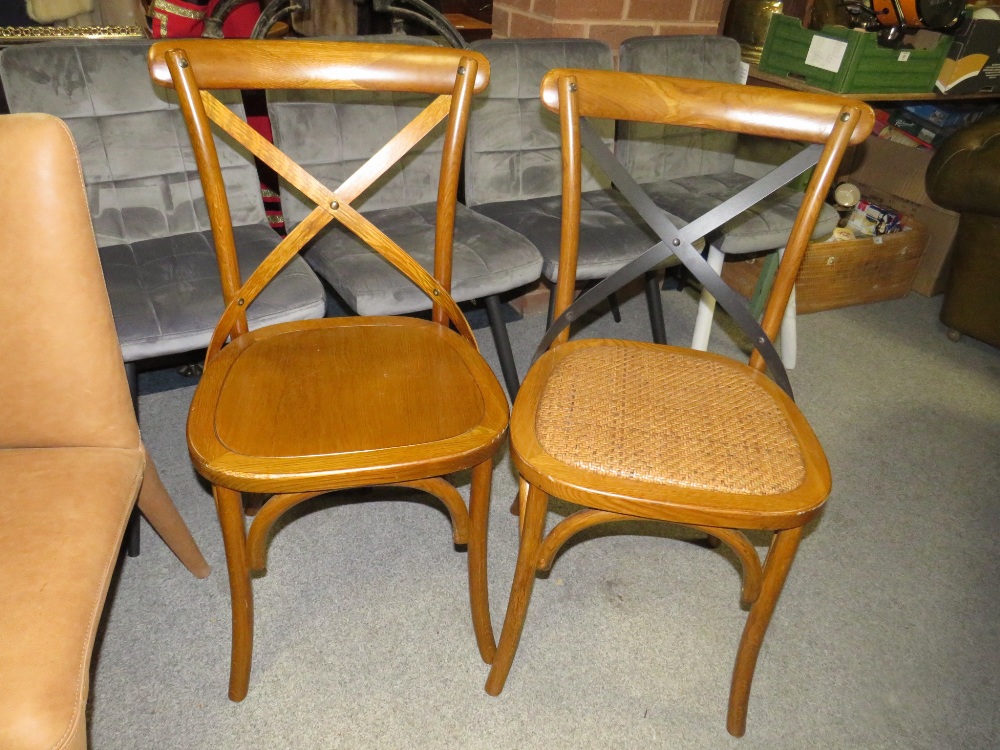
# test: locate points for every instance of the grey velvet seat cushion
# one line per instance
(166, 295)
(488, 258)
(611, 234)
(765, 226)
(147, 206)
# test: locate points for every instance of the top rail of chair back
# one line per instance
(706, 104)
(278, 64)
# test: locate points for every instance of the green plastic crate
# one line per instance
(864, 67)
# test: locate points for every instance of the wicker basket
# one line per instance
(851, 272)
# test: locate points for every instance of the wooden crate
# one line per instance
(840, 274)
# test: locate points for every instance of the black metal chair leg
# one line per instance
(655, 305)
(132, 530)
(613, 304)
(502, 341)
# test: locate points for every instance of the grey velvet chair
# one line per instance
(146, 201)
(513, 171)
(489, 259)
(688, 171)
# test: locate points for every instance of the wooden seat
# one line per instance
(640, 431)
(299, 409)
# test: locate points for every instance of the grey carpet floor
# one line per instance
(886, 635)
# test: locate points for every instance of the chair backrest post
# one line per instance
(572, 185)
(841, 135)
(207, 159)
(451, 166)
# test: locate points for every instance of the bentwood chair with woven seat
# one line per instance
(640, 431)
(301, 409)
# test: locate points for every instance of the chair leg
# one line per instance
(706, 305)
(616, 312)
(229, 505)
(479, 594)
(533, 527)
(789, 334)
(160, 511)
(655, 306)
(776, 567)
(132, 531)
(502, 341)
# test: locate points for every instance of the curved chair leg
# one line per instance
(502, 341)
(616, 313)
(156, 505)
(479, 593)
(444, 491)
(776, 567)
(706, 305)
(229, 505)
(533, 520)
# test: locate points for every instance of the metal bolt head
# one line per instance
(182, 63)
(334, 205)
(461, 70)
(437, 293)
(240, 302)
(572, 87)
(675, 242)
(845, 116)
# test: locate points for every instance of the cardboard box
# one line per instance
(973, 62)
(844, 273)
(894, 174)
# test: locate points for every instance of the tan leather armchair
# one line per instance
(72, 464)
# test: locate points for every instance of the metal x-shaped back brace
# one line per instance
(674, 241)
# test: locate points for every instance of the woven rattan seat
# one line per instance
(625, 411)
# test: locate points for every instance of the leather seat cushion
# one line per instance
(166, 295)
(63, 512)
(370, 285)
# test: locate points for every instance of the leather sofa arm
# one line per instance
(964, 174)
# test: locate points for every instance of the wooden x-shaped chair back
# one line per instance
(453, 76)
(832, 121)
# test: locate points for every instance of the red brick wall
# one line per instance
(609, 20)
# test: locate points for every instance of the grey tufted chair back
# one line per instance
(513, 144)
(141, 179)
(653, 152)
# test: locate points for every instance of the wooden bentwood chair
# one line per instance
(640, 431)
(299, 409)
